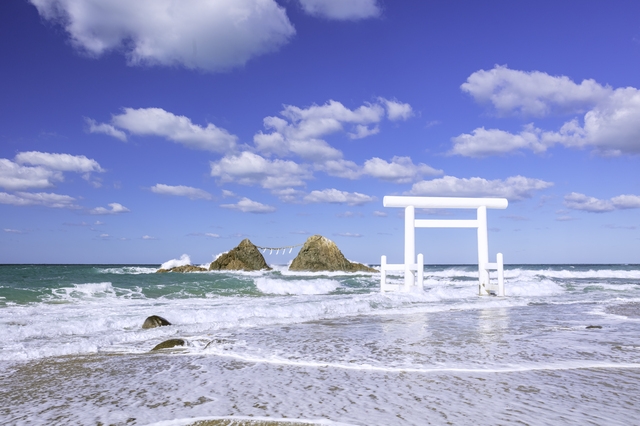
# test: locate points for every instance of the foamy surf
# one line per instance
(280, 345)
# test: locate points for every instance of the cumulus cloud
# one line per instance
(107, 129)
(299, 131)
(61, 162)
(577, 201)
(16, 177)
(45, 199)
(340, 168)
(399, 170)
(336, 196)
(251, 169)
(513, 188)
(363, 131)
(115, 208)
(176, 128)
(397, 110)
(611, 125)
(246, 205)
(181, 191)
(342, 9)
(532, 93)
(196, 34)
(288, 195)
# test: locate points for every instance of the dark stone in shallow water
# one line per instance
(168, 344)
(594, 326)
(155, 321)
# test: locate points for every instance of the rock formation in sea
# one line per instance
(168, 344)
(321, 254)
(155, 321)
(244, 257)
(184, 268)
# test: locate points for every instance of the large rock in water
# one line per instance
(244, 257)
(183, 268)
(321, 254)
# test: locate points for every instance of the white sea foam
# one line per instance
(184, 260)
(128, 270)
(276, 286)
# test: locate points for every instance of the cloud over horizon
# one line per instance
(161, 123)
(246, 205)
(610, 126)
(181, 191)
(577, 201)
(514, 188)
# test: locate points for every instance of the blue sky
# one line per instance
(135, 132)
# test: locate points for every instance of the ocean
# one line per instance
(277, 347)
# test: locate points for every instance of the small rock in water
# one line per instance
(167, 344)
(155, 321)
(183, 268)
(594, 326)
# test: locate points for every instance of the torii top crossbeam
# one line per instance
(444, 202)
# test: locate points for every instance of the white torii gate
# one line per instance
(413, 266)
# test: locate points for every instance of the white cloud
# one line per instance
(378, 213)
(197, 34)
(577, 201)
(148, 237)
(176, 128)
(251, 169)
(116, 208)
(347, 234)
(532, 93)
(399, 170)
(13, 231)
(483, 143)
(301, 130)
(45, 199)
(107, 129)
(61, 162)
(211, 235)
(342, 9)
(181, 191)
(288, 195)
(246, 205)
(397, 110)
(514, 188)
(611, 125)
(362, 131)
(335, 196)
(17, 177)
(340, 168)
